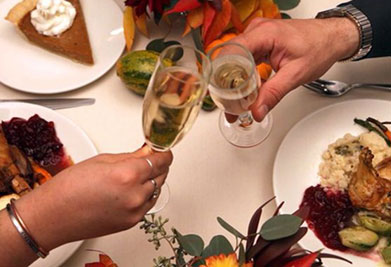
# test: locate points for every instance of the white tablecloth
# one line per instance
(209, 177)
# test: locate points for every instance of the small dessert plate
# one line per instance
(77, 144)
(29, 68)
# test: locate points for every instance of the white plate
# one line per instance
(77, 145)
(29, 68)
(299, 155)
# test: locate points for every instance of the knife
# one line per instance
(55, 103)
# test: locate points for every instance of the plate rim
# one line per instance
(71, 88)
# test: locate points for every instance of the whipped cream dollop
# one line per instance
(53, 17)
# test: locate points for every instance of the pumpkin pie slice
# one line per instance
(73, 43)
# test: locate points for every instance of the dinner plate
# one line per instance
(77, 145)
(299, 155)
(29, 68)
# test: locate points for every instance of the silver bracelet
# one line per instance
(23, 230)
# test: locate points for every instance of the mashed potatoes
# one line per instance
(340, 159)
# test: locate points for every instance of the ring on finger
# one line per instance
(149, 162)
(156, 190)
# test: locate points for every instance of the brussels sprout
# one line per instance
(375, 224)
(358, 238)
(386, 253)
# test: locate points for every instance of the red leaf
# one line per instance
(305, 261)
(278, 209)
(94, 264)
(209, 14)
(219, 23)
(106, 260)
(235, 19)
(184, 5)
(278, 248)
(253, 225)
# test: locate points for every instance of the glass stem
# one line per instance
(246, 119)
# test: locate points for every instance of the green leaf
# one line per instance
(218, 245)
(285, 16)
(286, 4)
(229, 228)
(196, 34)
(198, 263)
(280, 226)
(192, 244)
(156, 45)
(242, 255)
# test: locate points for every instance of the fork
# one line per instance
(337, 88)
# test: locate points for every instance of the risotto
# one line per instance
(340, 159)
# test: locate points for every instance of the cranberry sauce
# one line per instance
(330, 212)
(37, 139)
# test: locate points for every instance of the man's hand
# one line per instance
(298, 50)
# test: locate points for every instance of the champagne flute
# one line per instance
(234, 87)
(173, 100)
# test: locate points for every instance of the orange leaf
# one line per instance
(271, 11)
(245, 7)
(129, 27)
(219, 23)
(209, 14)
(186, 30)
(256, 14)
(194, 20)
(213, 44)
(141, 24)
(265, 3)
(235, 19)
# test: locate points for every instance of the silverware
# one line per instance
(55, 103)
(337, 88)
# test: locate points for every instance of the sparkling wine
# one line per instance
(171, 106)
(234, 85)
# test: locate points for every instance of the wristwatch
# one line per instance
(363, 25)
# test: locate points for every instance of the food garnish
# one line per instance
(376, 126)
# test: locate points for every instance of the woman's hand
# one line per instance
(298, 50)
(102, 195)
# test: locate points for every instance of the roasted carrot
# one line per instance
(381, 126)
(40, 173)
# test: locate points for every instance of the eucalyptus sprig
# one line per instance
(266, 245)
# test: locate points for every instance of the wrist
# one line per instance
(41, 217)
(345, 37)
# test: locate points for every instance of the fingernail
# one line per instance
(262, 112)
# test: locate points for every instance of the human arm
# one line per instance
(102, 195)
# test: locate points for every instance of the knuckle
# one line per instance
(275, 93)
(136, 201)
(123, 177)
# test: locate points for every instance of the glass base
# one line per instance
(245, 136)
(162, 200)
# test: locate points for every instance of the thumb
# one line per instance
(272, 91)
